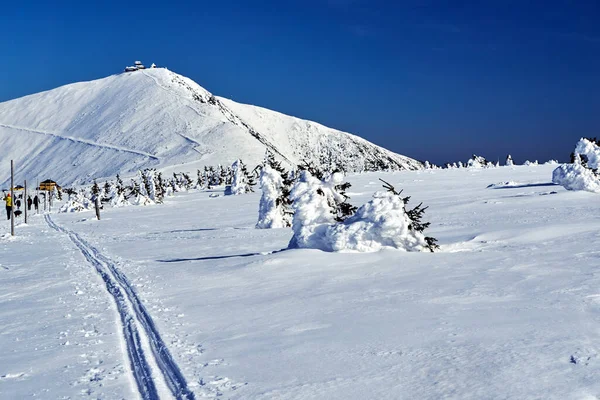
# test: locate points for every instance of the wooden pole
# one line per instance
(25, 201)
(97, 204)
(12, 198)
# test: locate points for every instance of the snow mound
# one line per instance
(507, 184)
(382, 222)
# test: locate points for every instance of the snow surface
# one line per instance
(509, 307)
(155, 118)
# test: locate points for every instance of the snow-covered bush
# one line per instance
(479, 162)
(529, 163)
(382, 222)
(76, 203)
(582, 174)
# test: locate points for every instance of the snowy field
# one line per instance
(508, 308)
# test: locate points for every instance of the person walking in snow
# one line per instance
(36, 202)
(29, 201)
(8, 201)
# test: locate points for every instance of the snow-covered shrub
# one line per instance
(382, 222)
(529, 163)
(76, 203)
(119, 200)
(582, 174)
(479, 162)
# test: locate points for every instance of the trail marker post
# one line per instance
(25, 204)
(97, 205)
(12, 198)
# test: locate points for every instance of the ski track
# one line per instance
(123, 294)
(82, 141)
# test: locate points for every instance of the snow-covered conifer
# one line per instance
(161, 190)
(583, 173)
(313, 213)
(478, 162)
(242, 181)
(149, 182)
(275, 209)
(509, 161)
(271, 210)
(95, 189)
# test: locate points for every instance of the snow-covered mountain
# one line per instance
(157, 118)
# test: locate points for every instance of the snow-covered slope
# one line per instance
(509, 308)
(156, 118)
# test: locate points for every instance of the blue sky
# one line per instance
(435, 80)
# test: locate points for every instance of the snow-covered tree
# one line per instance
(313, 213)
(271, 212)
(200, 180)
(77, 202)
(583, 173)
(479, 162)
(149, 183)
(161, 189)
(242, 181)
(509, 161)
(275, 209)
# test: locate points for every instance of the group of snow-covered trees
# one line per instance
(315, 204)
(481, 162)
(310, 200)
(151, 187)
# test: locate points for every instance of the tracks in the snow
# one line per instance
(138, 327)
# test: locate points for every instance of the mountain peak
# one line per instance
(156, 118)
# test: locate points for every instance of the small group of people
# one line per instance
(9, 204)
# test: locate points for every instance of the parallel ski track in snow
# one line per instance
(82, 141)
(126, 299)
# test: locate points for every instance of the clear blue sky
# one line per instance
(435, 80)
